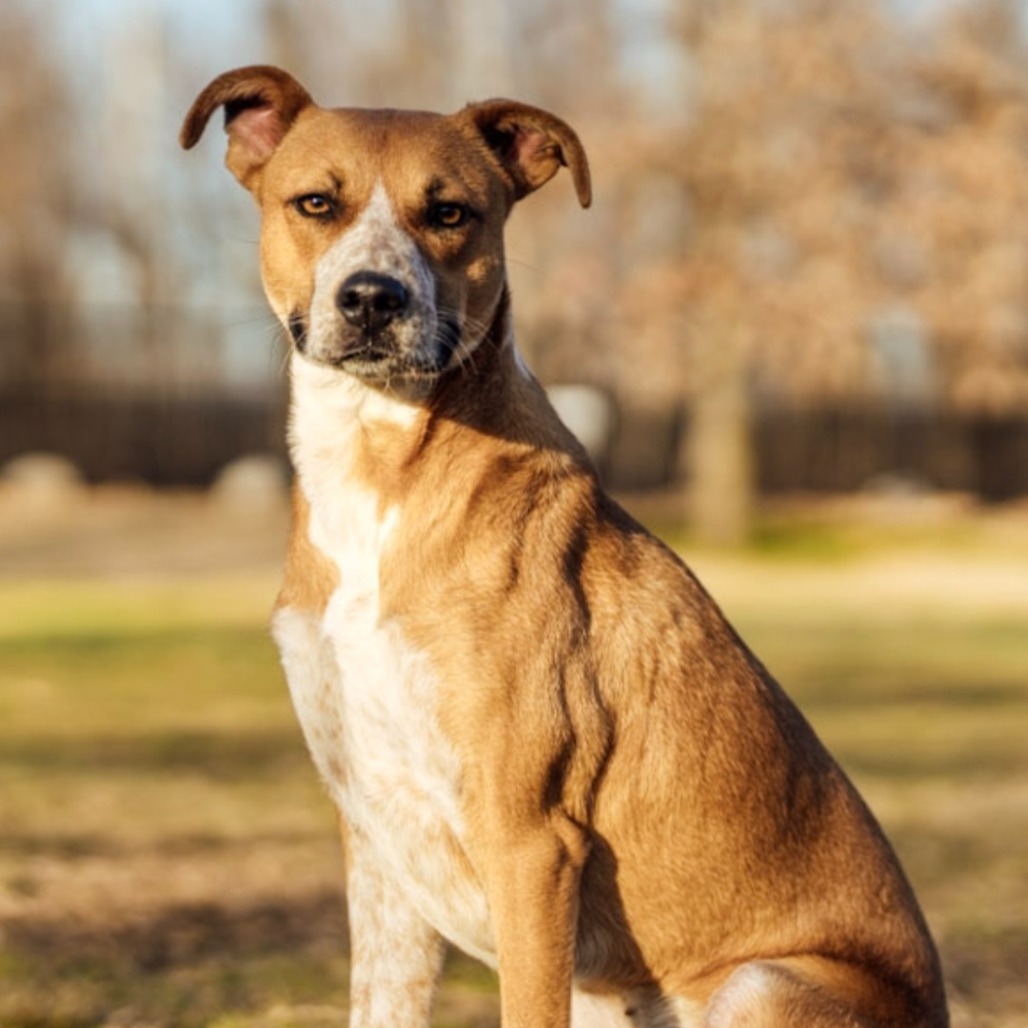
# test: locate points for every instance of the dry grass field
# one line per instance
(167, 857)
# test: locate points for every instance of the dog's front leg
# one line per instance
(534, 866)
(395, 955)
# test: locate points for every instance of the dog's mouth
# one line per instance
(384, 356)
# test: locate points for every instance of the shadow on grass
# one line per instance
(910, 766)
(887, 695)
(987, 973)
(187, 965)
(221, 755)
(191, 965)
(180, 966)
(71, 846)
(180, 935)
(123, 644)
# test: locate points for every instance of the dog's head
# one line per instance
(382, 230)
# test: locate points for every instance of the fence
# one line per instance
(183, 438)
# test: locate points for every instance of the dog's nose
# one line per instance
(371, 301)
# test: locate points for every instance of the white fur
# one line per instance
(589, 1010)
(742, 994)
(642, 1009)
(375, 242)
(365, 697)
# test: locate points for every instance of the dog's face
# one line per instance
(381, 241)
(382, 231)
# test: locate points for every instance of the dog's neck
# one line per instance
(380, 440)
(372, 430)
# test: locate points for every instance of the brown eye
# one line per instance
(448, 215)
(315, 205)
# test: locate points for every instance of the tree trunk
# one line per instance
(719, 445)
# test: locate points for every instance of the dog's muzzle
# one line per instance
(378, 331)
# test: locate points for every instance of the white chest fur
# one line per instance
(366, 698)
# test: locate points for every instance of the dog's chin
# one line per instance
(381, 362)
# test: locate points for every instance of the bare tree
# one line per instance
(778, 164)
(35, 176)
(957, 214)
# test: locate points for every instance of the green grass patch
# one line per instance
(167, 856)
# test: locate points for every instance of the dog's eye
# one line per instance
(448, 215)
(315, 205)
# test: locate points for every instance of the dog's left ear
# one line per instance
(261, 103)
(531, 144)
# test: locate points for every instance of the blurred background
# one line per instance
(793, 326)
(805, 270)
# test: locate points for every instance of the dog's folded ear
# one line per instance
(531, 144)
(261, 102)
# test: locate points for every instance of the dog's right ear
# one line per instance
(261, 103)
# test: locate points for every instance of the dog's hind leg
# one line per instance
(767, 995)
(395, 955)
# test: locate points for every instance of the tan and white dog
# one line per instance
(547, 745)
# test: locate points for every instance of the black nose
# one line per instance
(371, 301)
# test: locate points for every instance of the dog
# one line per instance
(546, 744)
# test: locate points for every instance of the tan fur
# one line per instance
(641, 807)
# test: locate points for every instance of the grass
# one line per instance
(167, 856)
